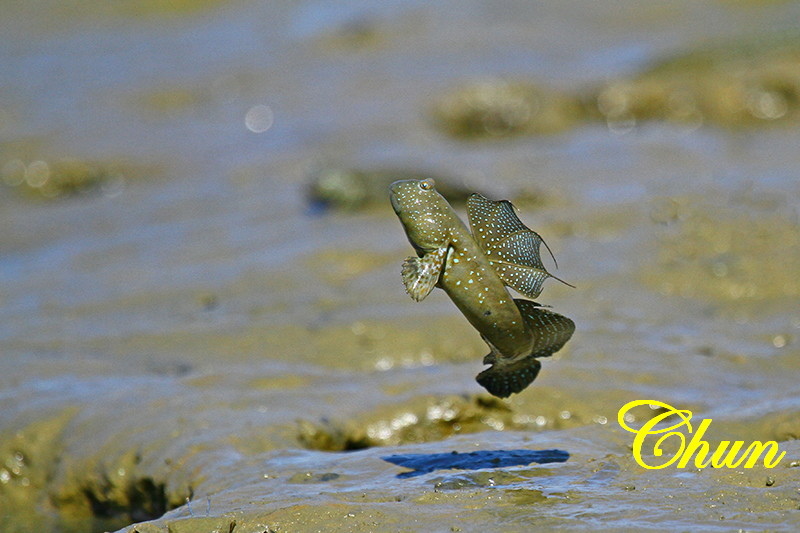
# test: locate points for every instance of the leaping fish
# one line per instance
(474, 270)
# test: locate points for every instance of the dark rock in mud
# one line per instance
(503, 109)
(739, 83)
(734, 84)
(354, 189)
(47, 179)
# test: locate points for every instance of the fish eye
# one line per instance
(426, 184)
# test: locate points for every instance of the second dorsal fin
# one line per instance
(551, 331)
(511, 247)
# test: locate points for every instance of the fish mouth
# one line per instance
(393, 189)
(403, 195)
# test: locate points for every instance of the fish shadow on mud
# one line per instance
(424, 463)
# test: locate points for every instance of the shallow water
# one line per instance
(183, 326)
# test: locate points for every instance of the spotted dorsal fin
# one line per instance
(511, 247)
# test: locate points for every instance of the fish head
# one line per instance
(423, 212)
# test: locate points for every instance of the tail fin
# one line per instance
(507, 376)
(503, 379)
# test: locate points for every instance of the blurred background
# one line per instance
(196, 232)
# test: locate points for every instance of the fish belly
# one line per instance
(482, 298)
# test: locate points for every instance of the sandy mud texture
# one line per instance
(188, 346)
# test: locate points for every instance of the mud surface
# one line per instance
(189, 346)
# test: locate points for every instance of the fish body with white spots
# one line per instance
(474, 270)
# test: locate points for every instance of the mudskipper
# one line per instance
(474, 270)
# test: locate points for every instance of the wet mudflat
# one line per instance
(189, 344)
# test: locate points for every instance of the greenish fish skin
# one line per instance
(451, 258)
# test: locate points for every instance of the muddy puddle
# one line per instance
(202, 321)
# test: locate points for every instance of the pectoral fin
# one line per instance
(511, 247)
(420, 274)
